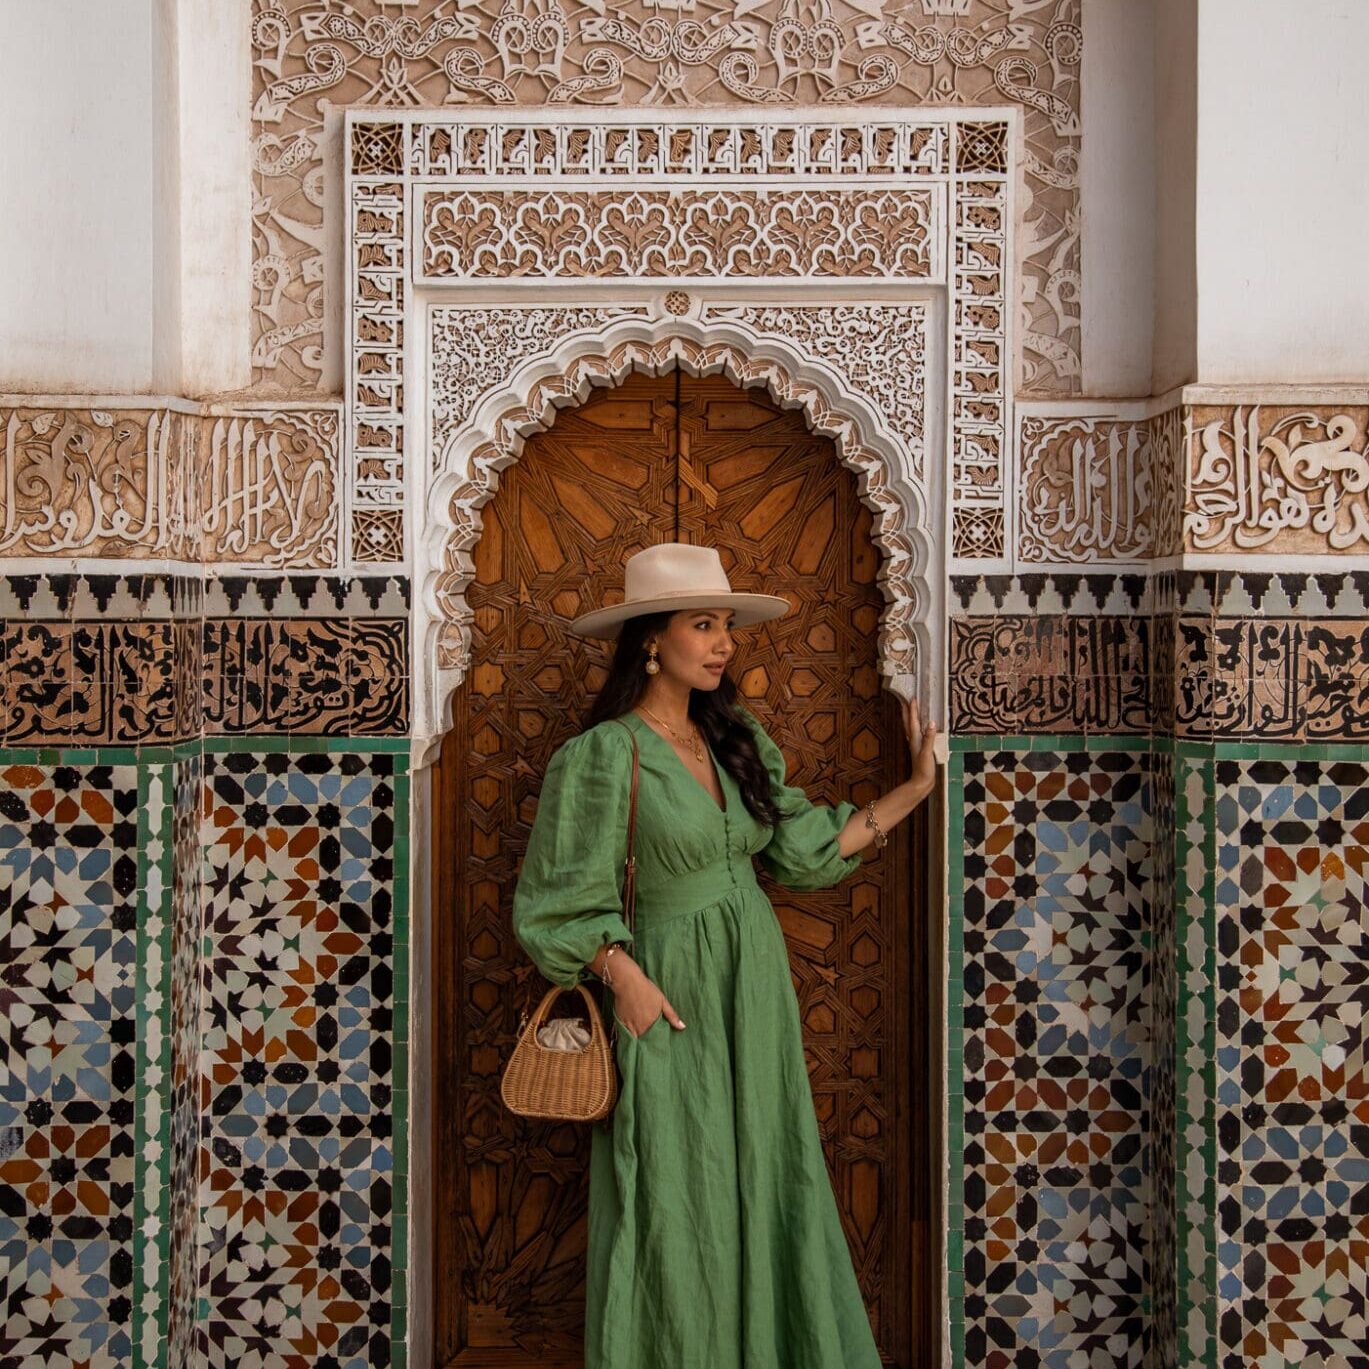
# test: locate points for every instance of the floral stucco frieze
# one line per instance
(676, 234)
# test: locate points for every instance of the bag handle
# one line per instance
(630, 864)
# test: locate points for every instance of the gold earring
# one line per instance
(651, 666)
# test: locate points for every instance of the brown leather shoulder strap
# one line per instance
(630, 864)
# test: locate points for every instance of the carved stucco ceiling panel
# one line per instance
(768, 53)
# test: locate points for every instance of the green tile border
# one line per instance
(1331, 752)
(167, 1119)
(955, 1044)
(154, 825)
(1281, 751)
(85, 755)
(400, 1097)
(125, 754)
(141, 1069)
(1197, 1301)
(1209, 903)
(1064, 741)
(303, 745)
(1165, 745)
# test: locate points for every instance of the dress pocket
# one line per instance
(624, 1030)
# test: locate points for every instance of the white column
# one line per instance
(79, 235)
(166, 195)
(126, 174)
(1175, 346)
(1283, 194)
(1117, 197)
(215, 195)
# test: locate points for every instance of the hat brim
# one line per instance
(747, 610)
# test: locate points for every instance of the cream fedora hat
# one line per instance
(676, 575)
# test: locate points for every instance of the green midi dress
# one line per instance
(714, 1240)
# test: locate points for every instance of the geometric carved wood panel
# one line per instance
(603, 482)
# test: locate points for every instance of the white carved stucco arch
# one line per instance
(467, 461)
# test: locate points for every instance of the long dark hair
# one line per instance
(713, 711)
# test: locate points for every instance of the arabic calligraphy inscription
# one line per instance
(1086, 490)
(1267, 478)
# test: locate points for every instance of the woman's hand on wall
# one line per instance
(890, 809)
(921, 746)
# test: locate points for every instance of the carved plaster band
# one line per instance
(251, 487)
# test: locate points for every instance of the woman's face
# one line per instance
(696, 645)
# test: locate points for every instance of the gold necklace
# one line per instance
(691, 742)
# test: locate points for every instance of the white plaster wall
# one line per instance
(1175, 340)
(166, 178)
(1117, 196)
(215, 195)
(1283, 191)
(77, 175)
(125, 169)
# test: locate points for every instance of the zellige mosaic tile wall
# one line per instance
(1051, 842)
(304, 1051)
(1283, 1098)
(202, 1084)
(1250, 1217)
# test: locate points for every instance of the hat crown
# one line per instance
(673, 568)
(677, 576)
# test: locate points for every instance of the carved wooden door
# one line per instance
(696, 460)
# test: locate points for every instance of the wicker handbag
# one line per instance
(572, 1085)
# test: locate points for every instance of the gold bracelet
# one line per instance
(880, 838)
(603, 972)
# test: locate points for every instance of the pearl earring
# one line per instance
(652, 667)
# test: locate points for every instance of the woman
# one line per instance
(714, 1236)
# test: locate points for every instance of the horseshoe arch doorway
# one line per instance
(677, 457)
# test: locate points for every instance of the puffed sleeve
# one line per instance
(568, 899)
(802, 852)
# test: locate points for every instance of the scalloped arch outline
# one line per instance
(470, 457)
